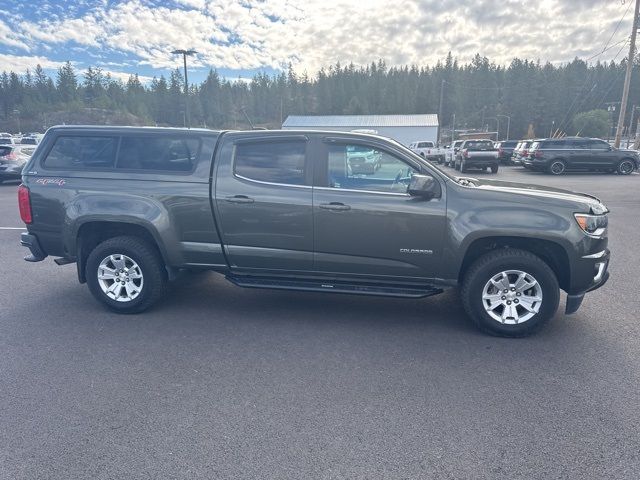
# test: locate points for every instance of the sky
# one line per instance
(241, 37)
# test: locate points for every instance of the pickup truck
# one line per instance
(477, 154)
(135, 208)
(451, 152)
(427, 149)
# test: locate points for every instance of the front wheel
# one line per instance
(126, 274)
(625, 167)
(510, 293)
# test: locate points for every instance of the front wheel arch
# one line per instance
(552, 253)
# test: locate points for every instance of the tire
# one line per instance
(463, 168)
(625, 167)
(494, 169)
(557, 167)
(132, 251)
(477, 282)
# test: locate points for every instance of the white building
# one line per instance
(403, 128)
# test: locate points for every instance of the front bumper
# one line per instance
(597, 264)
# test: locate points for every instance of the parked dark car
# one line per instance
(282, 209)
(478, 155)
(505, 151)
(559, 155)
(12, 160)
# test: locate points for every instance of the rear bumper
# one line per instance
(31, 242)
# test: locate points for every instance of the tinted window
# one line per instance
(370, 170)
(274, 162)
(5, 141)
(553, 144)
(173, 154)
(599, 145)
(29, 141)
(581, 144)
(425, 144)
(82, 152)
(479, 145)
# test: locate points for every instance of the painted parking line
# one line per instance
(12, 228)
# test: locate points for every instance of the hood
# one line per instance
(583, 200)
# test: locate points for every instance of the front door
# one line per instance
(365, 222)
(263, 202)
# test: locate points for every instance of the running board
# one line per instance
(386, 290)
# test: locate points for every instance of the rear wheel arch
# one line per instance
(90, 234)
(552, 253)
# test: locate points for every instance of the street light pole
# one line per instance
(184, 54)
(508, 123)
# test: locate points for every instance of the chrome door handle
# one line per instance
(336, 206)
(239, 199)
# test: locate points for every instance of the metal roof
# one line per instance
(422, 120)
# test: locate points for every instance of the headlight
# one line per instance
(593, 225)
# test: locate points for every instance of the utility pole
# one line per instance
(453, 129)
(184, 53)
(627, 78)
(440, 110)
(630, 129)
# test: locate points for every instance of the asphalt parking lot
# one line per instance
(223, 382)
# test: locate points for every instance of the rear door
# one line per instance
(367, 224)
(578, 154)
(602, 155)
(263, 201)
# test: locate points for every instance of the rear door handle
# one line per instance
(239, 199)
(336, 206)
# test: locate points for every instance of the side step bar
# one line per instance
(332, 286)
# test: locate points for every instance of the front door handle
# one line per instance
(239, 199)
(336, 206)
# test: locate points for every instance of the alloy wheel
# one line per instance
(120, 278)
(512, 297)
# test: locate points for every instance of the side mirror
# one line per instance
(424, 186)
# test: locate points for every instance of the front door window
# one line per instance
(362, 167)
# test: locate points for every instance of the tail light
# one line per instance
(500, 151)
(24, 203)
(538, 154)
(465, 153)
(11, 156)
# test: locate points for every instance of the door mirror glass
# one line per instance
(424, 186)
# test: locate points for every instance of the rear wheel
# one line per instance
(557, 167)
(126, 274)
(510, 293)
(463, 167)
(494, 169)
(625, 167)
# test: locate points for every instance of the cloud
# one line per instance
(9, 37)
(309, 34)
(20, 64)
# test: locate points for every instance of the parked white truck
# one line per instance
(428, 150)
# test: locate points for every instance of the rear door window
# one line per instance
(282, 162)
(82, 152)
(159, 153)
